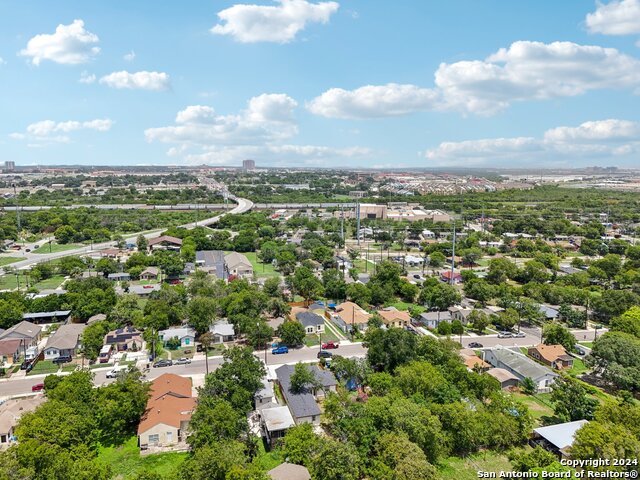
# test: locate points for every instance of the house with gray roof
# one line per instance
(65, 341)
(433, 319)
(186, 335)
(212, 262)
(558, 438)
(521, 366)
(222, 332)
(29, 332)
(275, 422)
(311, 322)
(47, 317)
(303, 405)
(289, 471)
(238, 265)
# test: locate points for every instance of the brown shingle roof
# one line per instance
(550, 353)
(165, 238)
(9, 346)
(170, 402)
(352, 313)
(394, 316)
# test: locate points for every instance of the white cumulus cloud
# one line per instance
(70, 45)
(268, 117)
(50, 131)
(373, 101)
(272, 23)
(594, 139)
(619, 17)
(522, 72)
(144, 80)
(129, 57)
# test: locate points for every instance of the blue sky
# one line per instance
(311, 83)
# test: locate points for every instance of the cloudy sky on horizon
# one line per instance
(482, 83)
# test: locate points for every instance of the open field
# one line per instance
(467, 468)
(259, 268)
(8, 260)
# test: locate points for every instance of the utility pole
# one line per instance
(15, 195)
(342, 225)
(358, 221)
(453, 254)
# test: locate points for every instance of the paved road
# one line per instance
(243, 205)
(21, 386)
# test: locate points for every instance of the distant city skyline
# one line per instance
(337, 84)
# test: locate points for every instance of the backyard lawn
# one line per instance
(539, 405)
(127, 463)
(259, 268)
(578, 368)
(8, 260)
(9, 282)
(467, 468)
(56, 247)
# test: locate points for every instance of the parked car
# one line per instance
(62, 359)
(25, 365)
(519, 335)
(162, 363)
(279, 350)
(38, 387)
(580, 351)
(325, 354)
(114, 373)
(475, 345)
(330, 345)
(505, 335)
(182, 361)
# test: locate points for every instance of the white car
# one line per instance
(182, 361)
(114, 373)
(505, 335)
(519, 335)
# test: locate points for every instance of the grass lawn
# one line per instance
(587, 344)
(259, 268)
(314, 339)
(467, 468)
(216, 350)
(538, 405)
(126, 461)
(404, 306)
(44, 366)
(56, 247)
(53, 282)
(578, 367)
(267, 460)
(363, 266)
(180, 352)
(7, 260)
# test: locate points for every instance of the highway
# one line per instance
(31, 258)
(180, 206)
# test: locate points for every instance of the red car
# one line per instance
(38, 387)
(330, 345)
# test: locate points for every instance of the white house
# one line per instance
(186, 335)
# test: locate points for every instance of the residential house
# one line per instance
(289, 471)
(265, 395)
(472, 361)
(553, 355)
(505, 377)
(25, 330)
(447, 275)
(558, 438)
(165, 242)
(212, 262)
(433, 319)
(275, 422)
(460, 313)
(303, 405)
(392, 317)
(522, 367)
(311, 322)
(413, 261)
(186, 335)
(10, 349)
(223, 332)
(119, 277)
(65, 341)
(165, 422)
(349, 316)
(10, 413)
(238, 265)
(550, 312)
(124, 339)
(150, 273)
(57, 316)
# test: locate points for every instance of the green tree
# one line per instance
(616, 357)
(303, 378)
(291, 333)
(570, 400)
(106, 266)
(201, 313)
(142, 243)
(93, 338)
(479, 320)
(390, 348)
(306, 284)
(555, 333)
(300, 444)
(335, 461)
(260, 335)
(359, 293)
(628, 322)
